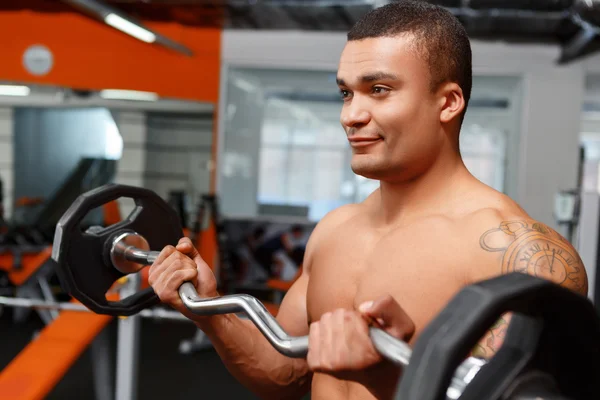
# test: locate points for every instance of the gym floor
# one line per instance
(164, 373)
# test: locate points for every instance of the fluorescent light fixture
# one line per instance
(245, 85)
(14, 90)
(116, 94)
(130, 28)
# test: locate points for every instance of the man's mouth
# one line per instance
(363, 141)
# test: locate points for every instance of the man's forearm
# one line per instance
(382, 380)
(252, 360)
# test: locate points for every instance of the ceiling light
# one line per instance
(245, 85)
(14, 90)
(116, 94)
(130, 28)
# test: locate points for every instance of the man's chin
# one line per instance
(366, 171)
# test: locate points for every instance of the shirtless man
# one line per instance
(427, 232)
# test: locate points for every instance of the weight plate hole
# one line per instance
(97, 220)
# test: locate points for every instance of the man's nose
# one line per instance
(355, 115)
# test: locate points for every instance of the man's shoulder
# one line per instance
(491, 210)
(326, 228)
(336, 217)
(509, 218)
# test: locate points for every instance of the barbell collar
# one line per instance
(130, 252)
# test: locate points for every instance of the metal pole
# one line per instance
(20, 302)
(103, 367)
(128, 346)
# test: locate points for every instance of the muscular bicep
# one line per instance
(292, 314)
(528, 247)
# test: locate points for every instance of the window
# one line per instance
(302, 158)
(590, 141)
(590, 135)
(483, 150)
(301, 152)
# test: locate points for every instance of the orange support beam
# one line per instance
(29, 264)
(112, 213)
(206, 243)
(88, 54)
(43, 363)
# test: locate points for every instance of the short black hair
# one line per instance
(440, 38)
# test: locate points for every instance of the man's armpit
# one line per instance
(533, 248)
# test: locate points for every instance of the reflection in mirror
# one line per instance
(58, 154)
(58, 143)
(49, 143)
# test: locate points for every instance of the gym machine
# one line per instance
(26, 238)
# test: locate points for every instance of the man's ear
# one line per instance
(451, 100)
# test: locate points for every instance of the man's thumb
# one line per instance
(388, 313)
(186, 247)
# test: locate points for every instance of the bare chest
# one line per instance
(421, 271)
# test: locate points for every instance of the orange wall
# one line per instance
(90, 55)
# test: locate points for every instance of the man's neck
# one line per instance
(442, 185)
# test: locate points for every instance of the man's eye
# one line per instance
(344, 93)
(379, 90)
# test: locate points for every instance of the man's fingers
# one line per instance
(179, 277)
(159, 266)
(184, 242)
(186, 246)
(313, 355)
(339, 343)
(175, 261)
(325, 343)
(388, 313)
(338, 337)
(172, 277)
(164, 253)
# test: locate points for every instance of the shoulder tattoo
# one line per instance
(536, 249)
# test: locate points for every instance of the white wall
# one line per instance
(164, 152)
(6, 158)
(178, 153)
(131, 166)
(550, 123)
(547, 151)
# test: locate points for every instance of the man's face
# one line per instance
(390, 115)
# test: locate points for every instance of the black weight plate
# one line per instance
(81, 256)
(568, 348)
